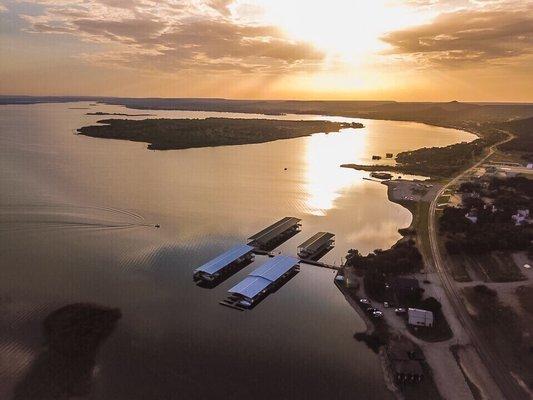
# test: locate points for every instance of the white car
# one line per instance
(400, 310)
(364, 301)
(377, 314)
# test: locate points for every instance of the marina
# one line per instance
(263, 281)
(317, 245)
(223, 265)
(276, 271)
(275, 234)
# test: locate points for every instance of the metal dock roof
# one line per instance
(216, 264)
(275, 229)
(275, 267)
(263, 276)
(250, 286)
(317, 240)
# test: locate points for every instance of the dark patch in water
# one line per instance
(64, 368)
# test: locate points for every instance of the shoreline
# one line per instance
(435, 378)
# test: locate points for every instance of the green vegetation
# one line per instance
(503, 330)
(122, 114)
(455, 349)
(453, 114)
(458, 267)
(493, 204)
(525, 296)
(523, 129)
(379, 337)
(498, 266)
(166, 134)
(419, 225)
(426, 389)
(438, 161)
(382, 265)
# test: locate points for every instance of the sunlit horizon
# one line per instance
(269, 49)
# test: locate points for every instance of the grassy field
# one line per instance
(503, 330)
(525, 297)
(458, 266)
(497, 266)
(420, 211)
(473, 388)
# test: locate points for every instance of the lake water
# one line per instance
(77, 219)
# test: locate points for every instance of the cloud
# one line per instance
(173, 36)
(468, 36)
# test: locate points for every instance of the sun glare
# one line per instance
(347, 30)
(325, 180)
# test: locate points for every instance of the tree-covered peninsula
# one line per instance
(167, 134)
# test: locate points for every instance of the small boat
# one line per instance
(157, 226)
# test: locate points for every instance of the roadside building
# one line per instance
(407, 371)
(472, 216)
(418, 317)
(521, 217)
(405, 361)
(403, 290)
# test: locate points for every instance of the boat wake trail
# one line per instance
(44, 217)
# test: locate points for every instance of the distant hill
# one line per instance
(448, 114)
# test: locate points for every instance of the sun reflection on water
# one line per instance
(325, 180)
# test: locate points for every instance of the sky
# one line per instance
(412, 50)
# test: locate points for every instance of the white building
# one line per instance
(520, 217)
(472, 216)
(418, 317)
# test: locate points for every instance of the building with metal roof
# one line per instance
(418, 317)
(217, 266)
(264, 278)
(316, 244)
(276, 232)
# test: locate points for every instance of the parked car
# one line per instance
(400, 310)
(364, 301)
(386, 304)
(377, 314)
(370, 310)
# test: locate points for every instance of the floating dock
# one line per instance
(224, 264)
(265, 279)
(316, 245)
(275, 234)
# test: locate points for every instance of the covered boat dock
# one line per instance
(222, 265)
(276, 233)
(316, 245)
(263, 280)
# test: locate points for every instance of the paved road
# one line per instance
(501, 375)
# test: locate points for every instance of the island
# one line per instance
(168, 134)
(121, 114)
